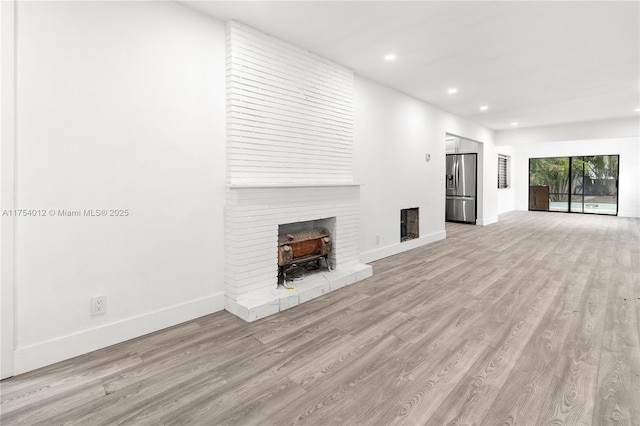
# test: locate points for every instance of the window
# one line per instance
(503, 170)
(584, 184)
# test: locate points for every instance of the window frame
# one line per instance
(506, 160)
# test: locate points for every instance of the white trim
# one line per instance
(631, 214)
(487, 221)
(290, 185)
(51, 351)
(377, 254)
(7, 185)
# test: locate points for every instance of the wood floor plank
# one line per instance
(573, 391)
(98, 363)
(617, 400)
(421, 386)
(621, 322)
(286, 357)
(253, 405)
(321, 404)
(618, 389)
(497, 316)
(149, 395)
(35, 391)
(160, 344)
(272, 333)
(161, 406)
(194, 358)
(521, 398)
(43, 409)
(332, 362)
(475, 393)
(532, 320)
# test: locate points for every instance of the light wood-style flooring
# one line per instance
(533, 320)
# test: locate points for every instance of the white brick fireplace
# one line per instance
(253, 215)
(289, 157)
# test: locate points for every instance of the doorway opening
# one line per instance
(463, 174)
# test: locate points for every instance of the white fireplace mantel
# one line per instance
(291, 185)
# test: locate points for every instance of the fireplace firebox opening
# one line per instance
(409, 224)
(303, 247)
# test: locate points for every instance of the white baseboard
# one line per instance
(387, 251)
(51, 351)
(628, 214)
(487, 221)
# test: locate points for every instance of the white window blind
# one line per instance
(503, 170)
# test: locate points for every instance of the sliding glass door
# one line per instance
(577, 185)
(549, 184)
(599, 184)
(586, 184)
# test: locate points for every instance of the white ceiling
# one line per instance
(537, 63)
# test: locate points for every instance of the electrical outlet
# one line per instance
(377, 239)
(99, 304)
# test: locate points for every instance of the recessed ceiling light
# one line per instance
(452, 91)
(390, 57)
(514, 123)
(637, 109)
(484, 107)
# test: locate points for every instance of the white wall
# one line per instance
(606, 137)
(618, 128)
(121, 105)
(7, 178)
(392, 134)
(629, 180)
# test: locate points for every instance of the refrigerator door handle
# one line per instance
(458, 176)
(456, 165)
(460, 197)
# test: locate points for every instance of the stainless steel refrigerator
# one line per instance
(461, 188)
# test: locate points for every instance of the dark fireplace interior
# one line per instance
(304, 247)
(409, 220)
